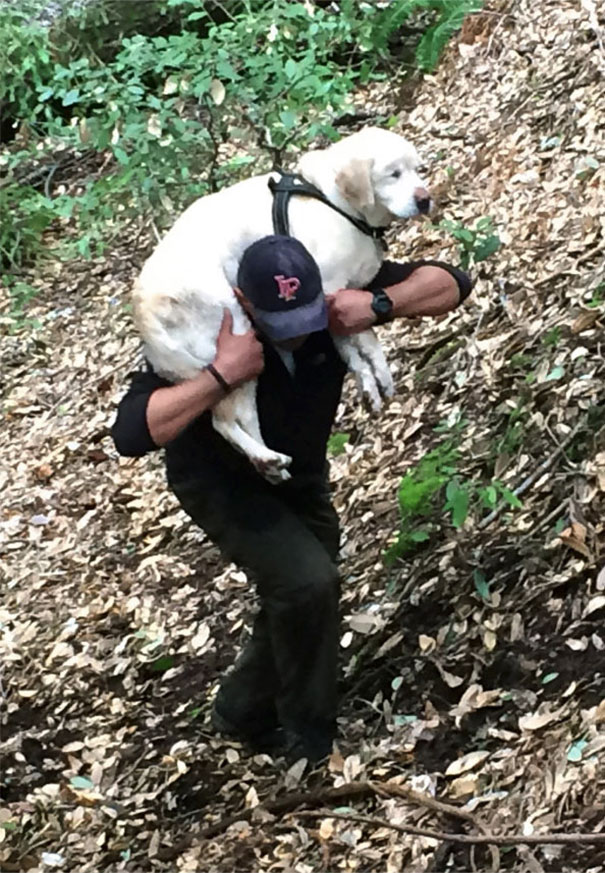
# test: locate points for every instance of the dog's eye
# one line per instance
(396, 174)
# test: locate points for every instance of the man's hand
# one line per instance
(350, 311)
(429, 290)
(238, 358)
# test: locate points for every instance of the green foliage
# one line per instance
(182, 97)
(451, 16)
(475, 244)
(551, 338)
(417, 496)
(421, 492)
(598, 297)
(511, 436)
(25, 55)
(20, 293)
(337, 443)
(457, 496)
(481, 584)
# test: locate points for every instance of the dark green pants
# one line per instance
(287, 538)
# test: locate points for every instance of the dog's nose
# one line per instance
(423, 200)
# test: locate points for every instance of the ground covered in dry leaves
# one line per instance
(473, 671)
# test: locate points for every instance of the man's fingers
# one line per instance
(227, 323)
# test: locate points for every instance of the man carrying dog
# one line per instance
(282, 693)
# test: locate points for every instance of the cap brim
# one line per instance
(299, 321)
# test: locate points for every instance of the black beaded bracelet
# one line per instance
(222, 382)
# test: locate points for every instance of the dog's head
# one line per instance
(375, 171)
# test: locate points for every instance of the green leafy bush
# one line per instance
(475, 244)
(181, 99)
(417, 497)
(337, 443)
(421, 496)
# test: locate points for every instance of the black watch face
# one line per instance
(381, 305)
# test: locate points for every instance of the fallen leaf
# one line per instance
(577, 645)
(599, 715)
(575, 751)
(464, 786)
(389, 644)
(217, 91)
(584, 321)
(251, 799)
(326, 828)
(538, 720)
(363, 623)
(294, 773)
(466, 762)
(593, 604)
(489, 640)
(201, 637)
(154, 844)
(450, 679)
(572, 540)
(426, 644)
(336, 761)
(52, 859)
(43, 472)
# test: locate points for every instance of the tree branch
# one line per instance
(463, 839)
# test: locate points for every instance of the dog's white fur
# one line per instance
(187, 282)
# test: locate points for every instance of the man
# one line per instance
(282, 691)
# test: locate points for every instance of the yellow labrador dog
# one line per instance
(184, 287)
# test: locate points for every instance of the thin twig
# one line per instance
(544, 522)
(463, 839)
(351, 790)
(288, 803)
(529, 480)
(49, 179)
(438, 806)
(156, 231)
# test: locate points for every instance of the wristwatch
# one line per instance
(382, 306)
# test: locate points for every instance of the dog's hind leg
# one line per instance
(236, 420)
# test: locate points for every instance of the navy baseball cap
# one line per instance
(282, 281)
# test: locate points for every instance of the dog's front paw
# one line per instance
(369, 391)
(273, 469)
(385, 383)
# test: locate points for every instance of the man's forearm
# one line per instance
(428, 291)
(171, 409)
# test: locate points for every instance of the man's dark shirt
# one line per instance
(296, 411)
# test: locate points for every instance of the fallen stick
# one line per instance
(390, 789)
(463, 839)
(352, 790)
(290, 802)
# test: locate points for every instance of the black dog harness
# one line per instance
(291, 183)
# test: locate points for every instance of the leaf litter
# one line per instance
(109, 762)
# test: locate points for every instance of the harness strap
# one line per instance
(291, 183)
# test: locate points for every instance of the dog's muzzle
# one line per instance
(422, 200)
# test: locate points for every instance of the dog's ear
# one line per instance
(354, 182)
